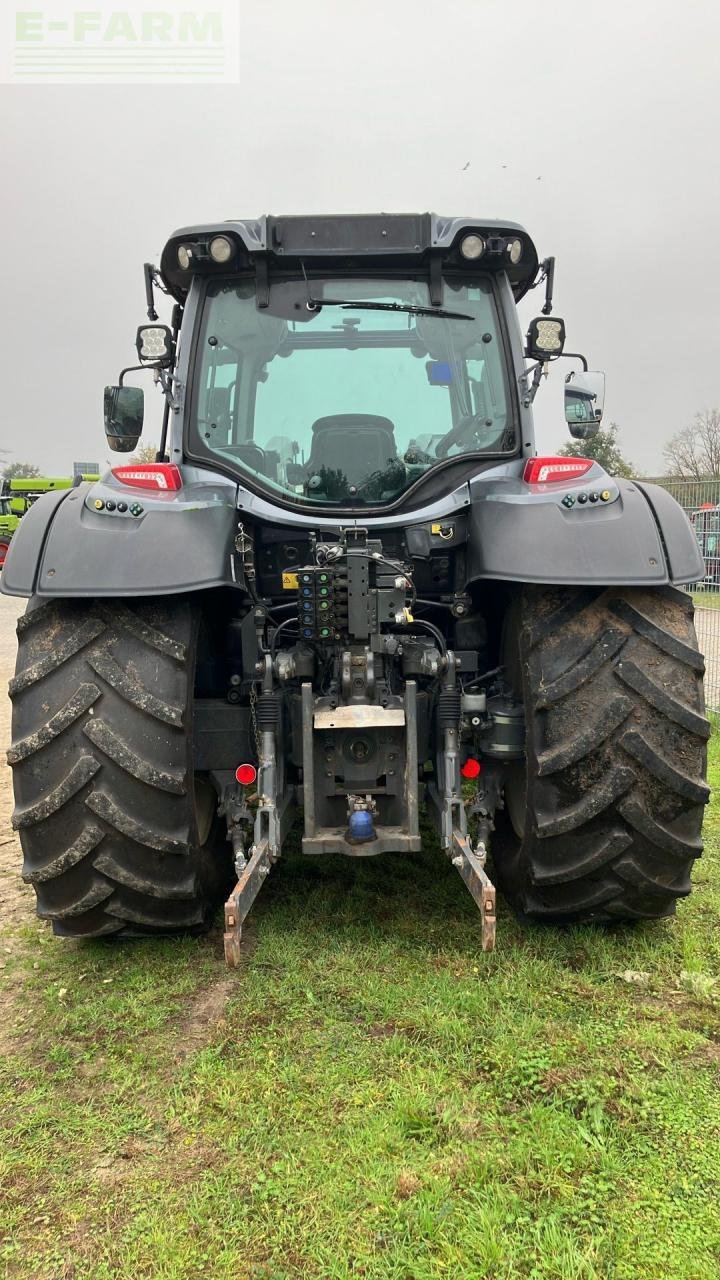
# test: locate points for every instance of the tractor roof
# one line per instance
(354, 241)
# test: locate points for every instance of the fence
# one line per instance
(700, 499)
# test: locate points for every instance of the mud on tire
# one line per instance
(608, 809)
(116, 835)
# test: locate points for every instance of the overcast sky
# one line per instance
(596, 125)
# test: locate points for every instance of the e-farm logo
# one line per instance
(176, 41)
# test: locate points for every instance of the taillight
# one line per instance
(550, 470)
(472, 768)
(246, 774)
(163, 476)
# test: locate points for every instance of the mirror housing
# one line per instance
(154, 343)
(124, 412)
(545, 338)
(584, 400)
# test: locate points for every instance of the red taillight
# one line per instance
(246, 774)
(162, 476)
(551, 470)
(471, 768)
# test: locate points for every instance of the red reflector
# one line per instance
(163, 476)
(245, 774)
(550, 470)
(471, 768)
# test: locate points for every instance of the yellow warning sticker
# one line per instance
(290, 582)
(442, 530)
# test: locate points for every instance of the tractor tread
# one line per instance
(118, 615)
(182, 919)
(57, 656)
(611, 799)
(80, 702)
(637, 745)
(122, 754)
(661, 638)
(547, 622)
(603, 847)
(591, 737)
(99, 891)
(594, 801)
(49, 802)
(105, 798)
(145, 833)
(658, 697)
(130, 689)
(177, 889)
(656, 833)
(88, 840)
(596, 656)
(635, 873)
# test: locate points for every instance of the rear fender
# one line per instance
(639, 536)
(178, 542)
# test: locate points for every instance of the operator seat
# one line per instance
(357, 444)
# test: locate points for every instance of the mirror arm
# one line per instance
(149, 273)
(170, 403)
(530, 392)
(132, 369)
(575, 355)
(549, 267)
(546, 277)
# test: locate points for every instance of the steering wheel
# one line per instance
(468, 425)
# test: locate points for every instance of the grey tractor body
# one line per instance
(475, 608)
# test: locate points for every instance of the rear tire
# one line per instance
(608, 808)
(117, 834)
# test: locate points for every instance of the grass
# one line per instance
(369, 1095)
(706, 599)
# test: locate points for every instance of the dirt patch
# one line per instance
(206, 1011)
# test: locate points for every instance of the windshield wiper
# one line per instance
(317, 304)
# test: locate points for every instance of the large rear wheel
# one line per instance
(118, 835)
(607, 809)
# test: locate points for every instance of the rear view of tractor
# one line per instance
(349, 590)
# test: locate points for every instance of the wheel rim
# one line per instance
(4, 548)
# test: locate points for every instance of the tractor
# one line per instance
(349, 593)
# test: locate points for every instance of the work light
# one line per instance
(545, 338)
(154, 342)
(221, 249)
(472, 247)
(185, 257)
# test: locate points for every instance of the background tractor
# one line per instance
(17, 496)
(347, 590)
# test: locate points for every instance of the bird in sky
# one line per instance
(466, 166)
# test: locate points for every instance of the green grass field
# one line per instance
(369, 1095)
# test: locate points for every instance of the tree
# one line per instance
(146, 453)
(603, 448)
(20, 471)
(694, 452)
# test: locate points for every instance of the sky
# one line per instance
(595, 125)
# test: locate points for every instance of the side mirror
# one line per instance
(124, 412)
(584, 400)
(545, 338)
